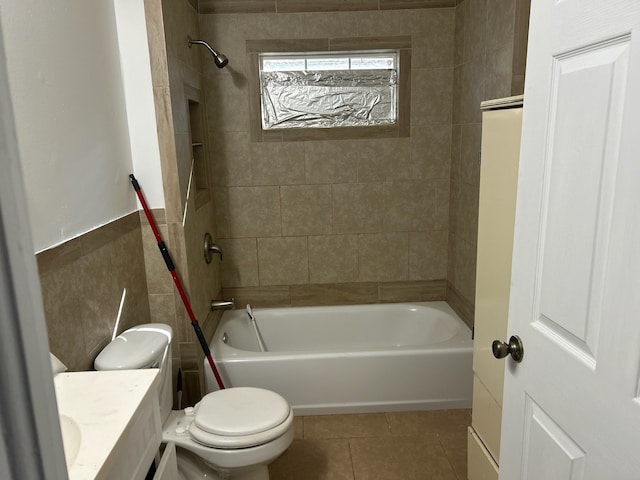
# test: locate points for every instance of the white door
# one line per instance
(572, 407)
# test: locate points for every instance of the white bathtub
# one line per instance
(350, 359)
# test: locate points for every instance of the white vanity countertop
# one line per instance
(103, 405)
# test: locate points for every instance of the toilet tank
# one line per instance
(143, 346)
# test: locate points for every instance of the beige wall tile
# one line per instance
(158, 278)
(381, 160)
(331, 161)
(80, 307)
(283, 260)
(162, 309)
(431, 96)
(388, 22)
(236, 6)
(431, 151)
(374, 42)
(156, 40)
(470, 142)
(277, 163)
(226, 33)
(442, 193)
(517, 85)
(460, 13)
(240, 262)
(334, 294)
(456, 114)
(409, 206)
(473, 83)
(228, 107)
(231, 159)
(269, 296)
(282, 25)
(306, 209)
(466, 270)
(467, 215)
(433, 37)
(386, 4)
(456, 153)
(521, 34)
(417, 21)
(62, 255)
(325, 5)
(499, 74)
(500, 18)
(64, 308)
(168, 159)
(412, 291)
(333, 258)
(204, 278)
(248, 211)
(475, 30)
(288, 44)
(384, 256)
(428, 255)
(189, 355)
(463, 307)
(331, 24)
(454, 200)
(175, 242)
(357, 208)
(184, 156)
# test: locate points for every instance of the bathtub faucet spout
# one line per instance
(222, 304)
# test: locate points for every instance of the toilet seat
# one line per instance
(240, 417)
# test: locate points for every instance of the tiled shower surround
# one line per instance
(329, 221)
(344, 221)
(302, 222)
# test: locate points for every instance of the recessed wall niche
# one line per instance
(200, 178)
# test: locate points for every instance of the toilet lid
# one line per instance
(241, 411)
(240, 417)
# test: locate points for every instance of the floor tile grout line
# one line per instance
(444, 450)
(353, 468)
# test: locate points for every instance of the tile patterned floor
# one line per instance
(382, 446)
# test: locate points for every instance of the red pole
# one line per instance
(176, 280)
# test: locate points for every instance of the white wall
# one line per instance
(138, 91)
(66, 85)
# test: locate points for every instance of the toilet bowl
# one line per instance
(231, 434)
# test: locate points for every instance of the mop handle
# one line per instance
(176, 280)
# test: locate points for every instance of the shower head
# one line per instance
(220, 60)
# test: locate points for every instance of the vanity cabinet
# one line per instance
(501, 128)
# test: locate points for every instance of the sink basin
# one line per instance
(70, 438)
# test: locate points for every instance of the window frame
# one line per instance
(401, 128)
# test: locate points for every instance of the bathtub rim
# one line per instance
(462, 340)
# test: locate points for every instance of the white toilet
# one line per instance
(232, 434)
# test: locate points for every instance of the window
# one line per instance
(328, 90)
(319, 71)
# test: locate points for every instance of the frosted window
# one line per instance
(328, 90)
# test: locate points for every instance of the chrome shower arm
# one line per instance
(191, 41)
(220, 60)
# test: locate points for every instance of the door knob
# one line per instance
(514, 348)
